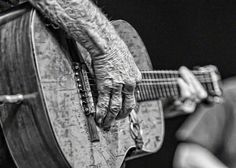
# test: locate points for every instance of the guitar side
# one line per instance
(64, 104)
(26, 127)
(66, 113)
(51, 130)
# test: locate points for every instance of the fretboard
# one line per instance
(163, 84)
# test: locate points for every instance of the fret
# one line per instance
(173, 85)
(142, 93)
(163, 84)
(209, 85)
(169, 87)
(156, 87)
(145, 89)
(170, 91)
(166, 87)
(151, 88)
(176, 90)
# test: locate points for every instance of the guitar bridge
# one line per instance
(87, 99)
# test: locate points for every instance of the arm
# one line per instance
(194, 156)
(114, 66)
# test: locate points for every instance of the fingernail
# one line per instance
(182, 68)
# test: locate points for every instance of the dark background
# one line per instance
(180, 32)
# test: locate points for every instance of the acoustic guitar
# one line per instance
(56, 129)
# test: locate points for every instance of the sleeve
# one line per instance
(84, 22)
(206, 126)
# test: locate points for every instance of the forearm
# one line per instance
(83, 21)
(195, 156)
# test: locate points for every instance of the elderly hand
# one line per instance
(114, 67)
(192, 92)
(116, 75)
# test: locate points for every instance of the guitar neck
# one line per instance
(163, 84)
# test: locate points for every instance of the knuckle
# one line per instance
(103, 97)
(115, 107)
(102, 105)
(104, 85)
(117, 88)
(116, 99)
(115, 110)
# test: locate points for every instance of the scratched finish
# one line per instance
(135, 44)
(64, 108)
(66, 115)
(150, 113)
(25, 125)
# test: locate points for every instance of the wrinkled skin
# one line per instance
(117, 75)
(115, 70)
(114, 67)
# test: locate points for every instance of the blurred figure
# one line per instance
(209, 136)
(191, 91)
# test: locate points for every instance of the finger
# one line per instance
(185, 90)
(128, 101)
(187, 104)
(115, 106)
(188, 78)
(199, 91)
(104, 90)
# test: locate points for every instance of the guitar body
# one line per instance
(51, 130)
(26, 126)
